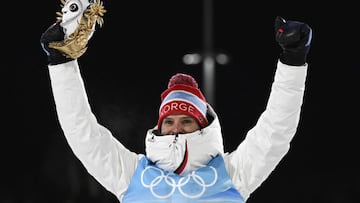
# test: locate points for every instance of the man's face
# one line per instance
(178, 124)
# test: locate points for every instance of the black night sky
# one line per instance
(127, 66)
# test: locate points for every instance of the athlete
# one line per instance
(185, 159)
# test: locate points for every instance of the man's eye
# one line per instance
(73, 7)
(187, 121)
(168, 122)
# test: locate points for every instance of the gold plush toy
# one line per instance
(78, 19)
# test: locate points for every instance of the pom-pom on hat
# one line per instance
(183, 96)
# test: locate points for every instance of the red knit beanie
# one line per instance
(183, 96)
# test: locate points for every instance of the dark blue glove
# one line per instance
(294, 38)
(53, 34)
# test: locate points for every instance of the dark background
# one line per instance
(127, 66)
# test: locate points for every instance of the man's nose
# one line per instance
(177, 128)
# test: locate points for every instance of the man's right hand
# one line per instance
(53, 34)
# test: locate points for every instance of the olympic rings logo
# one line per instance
(180, 185)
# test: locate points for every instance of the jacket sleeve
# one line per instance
(269, 140)
(104, 157)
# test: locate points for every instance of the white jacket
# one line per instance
(113, 165)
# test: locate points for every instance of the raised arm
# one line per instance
(103, 156)
(269, 140)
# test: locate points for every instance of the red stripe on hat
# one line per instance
(187, 88)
